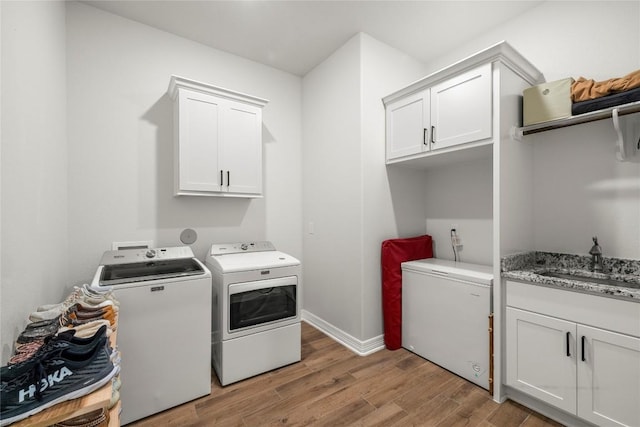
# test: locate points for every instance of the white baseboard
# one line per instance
(359, 347)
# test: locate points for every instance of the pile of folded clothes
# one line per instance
(567, 97)
(64, 353)
(588, 95)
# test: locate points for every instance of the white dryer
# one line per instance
(256, 302)
(164, 325)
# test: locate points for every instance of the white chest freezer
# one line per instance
(445, 315)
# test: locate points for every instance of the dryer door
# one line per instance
(261, 303)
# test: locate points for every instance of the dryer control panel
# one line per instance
(235, 248)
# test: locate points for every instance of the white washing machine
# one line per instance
(256, 302)
(164, 326)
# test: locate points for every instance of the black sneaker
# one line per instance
(53, 377)
(61, 341)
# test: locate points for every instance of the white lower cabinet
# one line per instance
(590, 372)
(608, 377)
(540, 359)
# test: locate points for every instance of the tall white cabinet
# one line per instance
(464, 113)
(217, 140)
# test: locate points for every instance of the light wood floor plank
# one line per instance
(347, 415)
(282, 410)
(384, 416)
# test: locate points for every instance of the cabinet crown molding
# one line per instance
(177, 82)
(501, 51)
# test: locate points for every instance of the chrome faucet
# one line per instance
(596, 256)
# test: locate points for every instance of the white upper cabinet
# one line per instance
(461, 109)
(218, 140)
(455, 111)
(450, 115)
(242, 157)
(197, 125)
(408, 125)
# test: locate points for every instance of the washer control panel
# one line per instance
(235, 248)
(127, 256)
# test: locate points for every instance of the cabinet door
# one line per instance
(198, 136)
(541, 357)
(608, 377)
(408, 126)
(461, 108)
(241, 149)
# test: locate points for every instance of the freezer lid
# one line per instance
(118, 274)
(482, 274)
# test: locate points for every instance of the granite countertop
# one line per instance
(530, 266)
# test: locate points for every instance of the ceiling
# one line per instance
(295, 36)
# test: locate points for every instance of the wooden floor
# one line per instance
(332, 386)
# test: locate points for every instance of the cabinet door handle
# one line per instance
(433, 134)
(221, 178)
(425, 132)
(228, 178)
(583, 339)
(568, 344)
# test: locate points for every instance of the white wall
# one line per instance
(581, 191)
(579, 188)
(385, 215)
(332, 196)
(594, 39)
(347, 192)
(87, 149)
(34, 162)
(460, 196)
(120, 142)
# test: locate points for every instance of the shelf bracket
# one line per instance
(516, 133)
(628, 135)
(620, 154)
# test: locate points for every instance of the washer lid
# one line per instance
(247, 261)
(477, 273)
(118, 274)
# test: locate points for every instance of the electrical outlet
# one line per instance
(457, 241)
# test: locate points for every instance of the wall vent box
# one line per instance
(547, 101)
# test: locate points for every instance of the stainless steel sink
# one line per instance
(602, 281)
